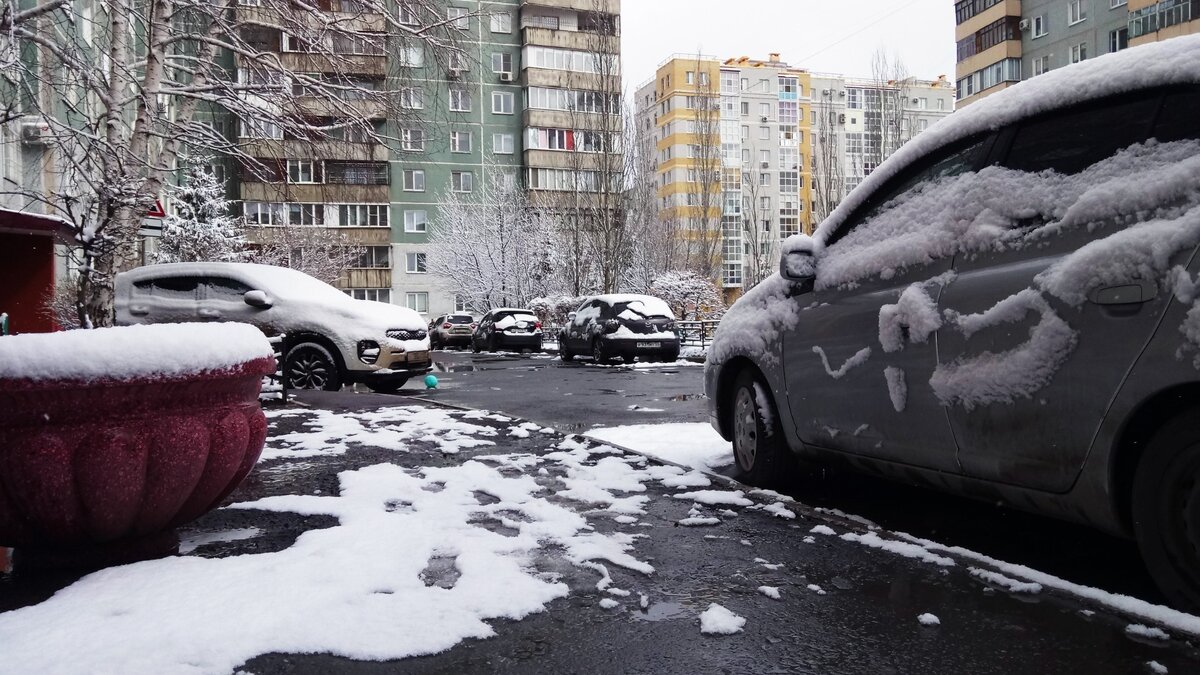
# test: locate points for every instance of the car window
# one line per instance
(216, 288)
(460, 319)
(1072, 140)
(1179, 118)
(954, 160)
(176, 288)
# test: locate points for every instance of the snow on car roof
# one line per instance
(512, 310)
(653, 305)
(131, 352)
(280, 281)
(1174, 61)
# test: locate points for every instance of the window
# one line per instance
(458, 18)
(368, 44)
(412, 98)
(1041, 65)
(460, 141)
(854, 99)
(412, 140)
(764, 204)
(764, 156)
(264, 213)
(414, 180)
(1076, 12)
(501, 22)
(764, 179)
(764, 133)
(225, 290)
(502, 102)
(745, 108)
(1039, 26)
(414, 263)
(460, 304)
(418, 302)
(374, 257)
(1078, 52)
(1118, 39)
(502, 144)
(570, 60)
(416, 221)
(703, 79)
(462, 181)
(502, 62)
(460, 99)
(412, 56)
(372, 294)
(408, 15)
(303, 171)
(1113, 4)
(254, 128)
(691, 77)
(764, 110)
(363, 215)
(1072, 141)
(308, 215)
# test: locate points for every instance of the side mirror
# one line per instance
(799, 262)
(571, 316)
(258, 299)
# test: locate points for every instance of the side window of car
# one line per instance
(1179, 118)
(225, 290)
(954, 160)
(176, 288)
(1072, 140)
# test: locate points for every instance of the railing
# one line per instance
(696, 332)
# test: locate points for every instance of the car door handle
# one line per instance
(1124, 294)
(210, 314)
(139, 310)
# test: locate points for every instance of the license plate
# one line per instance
(418, 356)
(649, 345)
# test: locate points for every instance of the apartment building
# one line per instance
(538, 99)
(1001, 42)
(767, 149)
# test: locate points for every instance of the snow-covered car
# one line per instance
(626, 326)
(1007, 308)
(508, 328)
(451, 330)
(329, 338)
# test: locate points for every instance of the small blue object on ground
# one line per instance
(431, 382)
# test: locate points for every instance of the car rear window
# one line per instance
(460, 319)
(1071, 141)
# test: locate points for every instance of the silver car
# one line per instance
(1008, 308)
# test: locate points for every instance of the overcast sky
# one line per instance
(831, 36)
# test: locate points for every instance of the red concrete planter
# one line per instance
(92, 463)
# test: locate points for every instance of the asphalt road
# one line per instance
(573, 397)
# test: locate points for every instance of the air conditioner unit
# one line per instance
(765, 165)
(841, 119)
(916, 100)
(826, 92)
(842, 94)
(764, 118)
(506, 77)
(35, 132)
(1023, 25)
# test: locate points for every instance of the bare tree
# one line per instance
(828, 161)
(494, 250)
(321, 253)
(758, 240)
(122, 92)
(895, 123)
(704, 234)
(654, 242)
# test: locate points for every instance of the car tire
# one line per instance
(308, 365)
(388, 388)
(564, 351)
(475, 346)
(670, 357)
(491, 343)
(760, 451)
(1166, 510)
(599, 355)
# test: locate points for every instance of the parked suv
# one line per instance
(451, 330)
(329, 339)
(508, 328)
(1006, 308)
(626, 326)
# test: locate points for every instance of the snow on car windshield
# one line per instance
(510, 320)
(640, 306)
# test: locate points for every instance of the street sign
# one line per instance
(157, 211)
(151, 227)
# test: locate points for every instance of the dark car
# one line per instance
(625, 326)
(508, 329)
(1007, 308)
(451, 330)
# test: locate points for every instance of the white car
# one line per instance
(329, 338)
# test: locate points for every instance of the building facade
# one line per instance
(753, 151)
(1001, 42)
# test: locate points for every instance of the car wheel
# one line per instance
(491, 343)
(598, 353)
(759, 448)
(564, 351)
(670, 357)
(310, 366)
(1166, 510)
(475, 346)
(390, 387)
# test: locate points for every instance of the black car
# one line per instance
(626, 326)
(508, 328)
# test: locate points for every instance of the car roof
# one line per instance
(280, 281)
(1173, 61)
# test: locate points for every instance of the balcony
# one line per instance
(350, 64)
(286, 192)
(336, 150)
(310, 106)
(605, 6)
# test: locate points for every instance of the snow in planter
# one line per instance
(131, 352)
(717, 620)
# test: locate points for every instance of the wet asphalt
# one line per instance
(864, 623)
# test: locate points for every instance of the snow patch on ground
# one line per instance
(716, 497)
(908, 550)
(823, 529)
(697, 445)
(1156, 667)
(770, 591)
(816, 589)
(1008, 584)
(717, 620)
(328, 434)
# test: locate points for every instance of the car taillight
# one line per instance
(474, 326)
(446, 326)
(537, 325)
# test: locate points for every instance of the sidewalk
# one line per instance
(377, 533)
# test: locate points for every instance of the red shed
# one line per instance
(27, 266)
